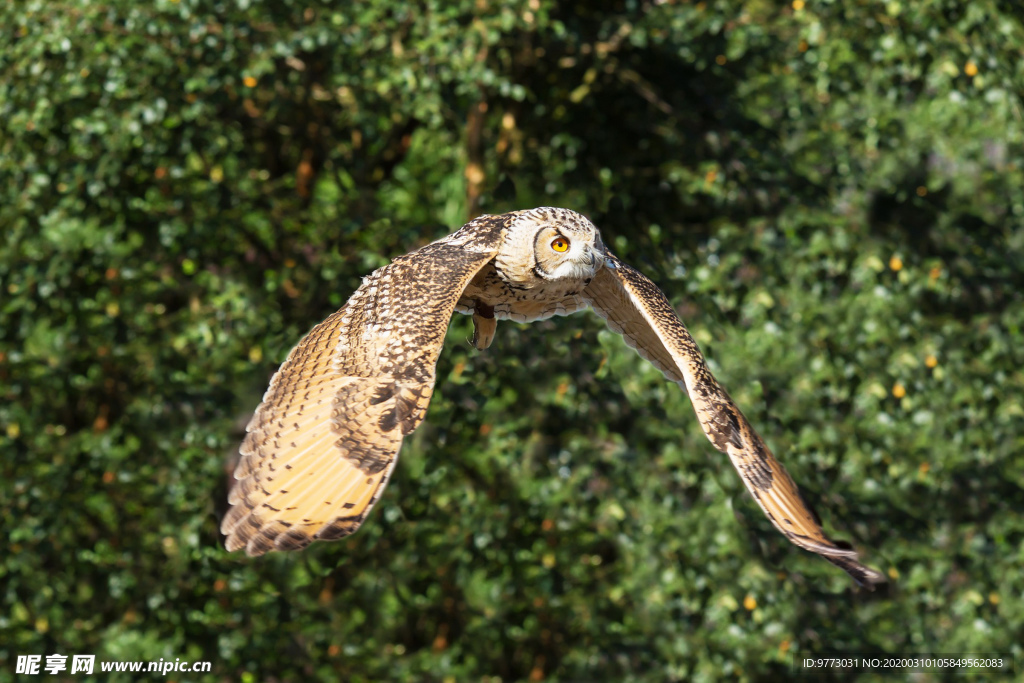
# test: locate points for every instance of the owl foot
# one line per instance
(484, 326)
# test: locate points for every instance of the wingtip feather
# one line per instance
(864, 576)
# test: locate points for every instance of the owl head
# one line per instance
(559, 245)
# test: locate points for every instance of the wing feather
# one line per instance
(636, 308)
(323, 443)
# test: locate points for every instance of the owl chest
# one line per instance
(489, 290)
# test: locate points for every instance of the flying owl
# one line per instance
(323, 443)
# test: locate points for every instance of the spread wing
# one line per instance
(323, 442)
(637, 309)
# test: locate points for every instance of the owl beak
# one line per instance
(594, 258)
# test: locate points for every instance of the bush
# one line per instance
(832, 194)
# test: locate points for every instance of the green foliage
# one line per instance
(832, 193)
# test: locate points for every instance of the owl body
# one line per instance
(529, 278)
(324, 441)
(506, 300)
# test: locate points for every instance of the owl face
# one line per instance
(565, 245)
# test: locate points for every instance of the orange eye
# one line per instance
(560, 244)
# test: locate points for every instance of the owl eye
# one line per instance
(560, 244)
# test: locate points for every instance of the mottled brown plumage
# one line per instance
(637, 309)
(325, 439)
(323, 443)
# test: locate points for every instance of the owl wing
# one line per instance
(637, 309)
(322, 444)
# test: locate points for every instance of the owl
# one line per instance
(323, 443)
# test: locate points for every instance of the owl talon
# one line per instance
(483, 330)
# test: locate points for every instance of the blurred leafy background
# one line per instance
(832, 193)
